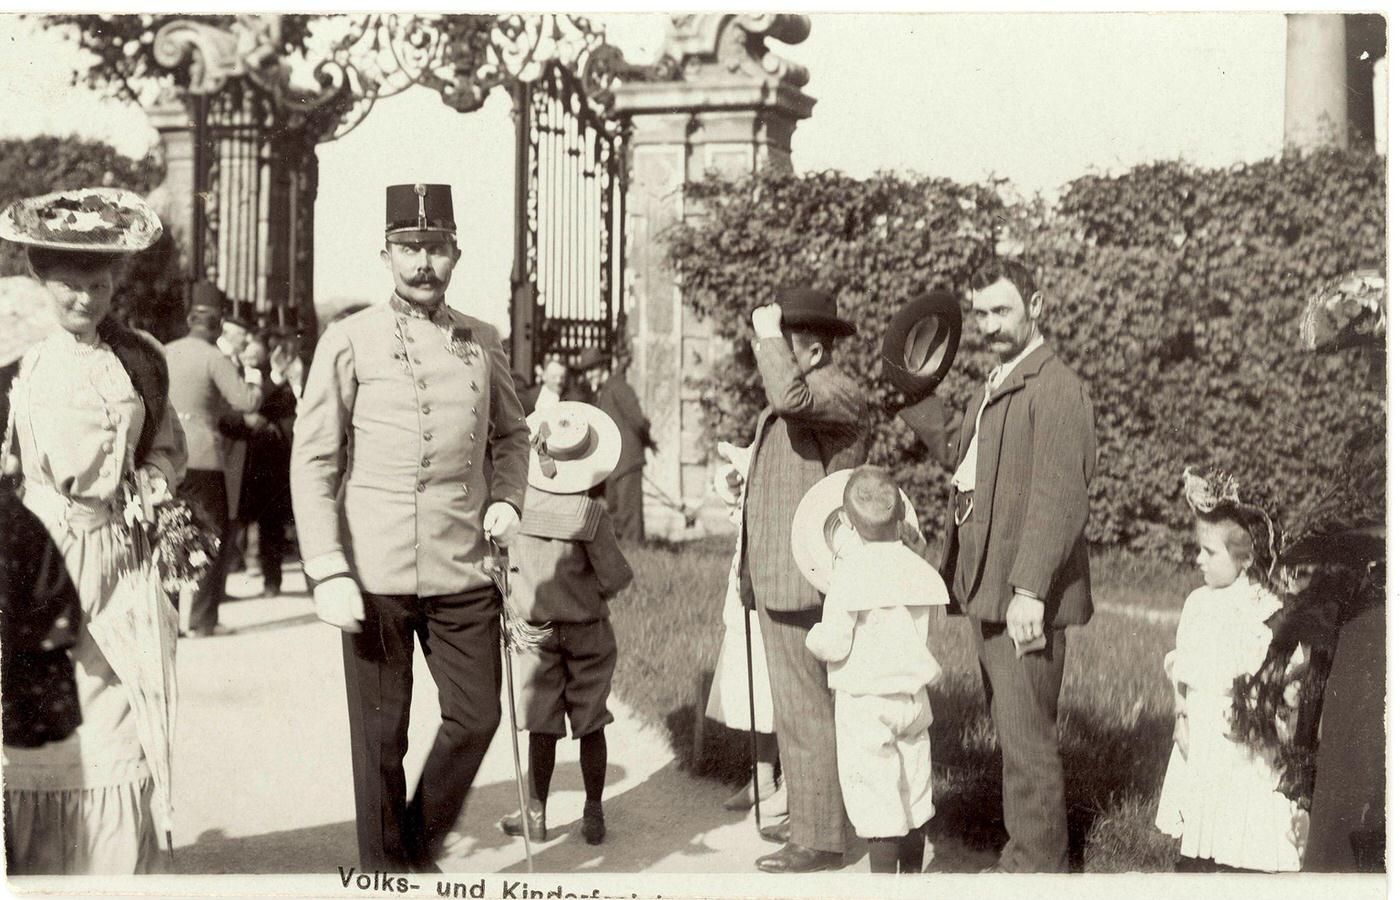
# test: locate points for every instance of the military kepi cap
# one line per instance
(418, 211)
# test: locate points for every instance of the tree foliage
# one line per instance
(1174, 290)
(121, 51)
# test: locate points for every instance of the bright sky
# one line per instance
(1036, 98)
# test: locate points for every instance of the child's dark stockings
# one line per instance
(593, 761)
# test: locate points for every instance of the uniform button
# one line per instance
(473, 437)
(409, 338)
(417, 361)
(422, 486)
(425, 462)
(106, 446)
(473, 385)
(427, 409)
(427, 435)
(422, 383)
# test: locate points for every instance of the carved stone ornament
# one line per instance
(736, 44)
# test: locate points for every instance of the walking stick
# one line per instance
(753, 718)
(499, 568)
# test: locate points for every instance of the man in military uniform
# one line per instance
(409, 452)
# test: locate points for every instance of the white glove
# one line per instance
(738, 457)
(158, 487)
(501, 522)
(338, 603)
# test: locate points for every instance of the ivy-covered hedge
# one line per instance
(152, 294)
(1175, 291)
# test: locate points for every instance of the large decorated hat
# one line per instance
(921, 343)
(815, 525)
(93, 220)
(809, 308)
(573, 447)
(1348, 311)
(1214, 493)
(418, 211)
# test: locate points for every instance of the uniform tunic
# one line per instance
(401, 444)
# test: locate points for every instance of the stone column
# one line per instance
(732, 109)
(1315, 81)
(173, 199)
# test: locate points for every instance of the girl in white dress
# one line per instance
(1219, 796)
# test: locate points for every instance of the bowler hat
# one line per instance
(808, 308)
(574, 447)
(815, 524)
(591, 358)
(418, 211)
(921, 342)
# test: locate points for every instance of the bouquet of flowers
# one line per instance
(182, 548)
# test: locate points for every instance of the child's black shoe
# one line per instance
(593, 828)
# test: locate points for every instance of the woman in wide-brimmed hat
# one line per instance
(89, 450)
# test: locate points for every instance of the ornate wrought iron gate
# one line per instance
(255, 161)
(254, 194)
(569, 248)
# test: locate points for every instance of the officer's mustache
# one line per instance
(424, 279)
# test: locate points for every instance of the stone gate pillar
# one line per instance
(173, 198)
(732, 109)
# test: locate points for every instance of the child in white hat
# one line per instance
(566, 566)
(874, 638)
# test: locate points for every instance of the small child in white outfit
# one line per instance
(874, 637)
(1220, 796)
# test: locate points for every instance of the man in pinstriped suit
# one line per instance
(1015, 555)
(816, 422)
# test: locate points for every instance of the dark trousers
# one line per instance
(460, 635)
(204, 490)
(1024, 695)
(624, 494)
(804, 716)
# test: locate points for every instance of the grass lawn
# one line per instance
(1115, 708)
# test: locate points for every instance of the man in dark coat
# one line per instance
(205, 389)
(1015, 557)
(613, 395)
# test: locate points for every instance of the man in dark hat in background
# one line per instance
(613, 395)
(206, 389)
(816, 422)
(394, 525)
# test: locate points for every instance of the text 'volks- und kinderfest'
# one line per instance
(383, 882)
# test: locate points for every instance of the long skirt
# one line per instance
(729, 692)
(82, 806)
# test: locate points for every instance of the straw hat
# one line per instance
(573, 447)
(93, 220)
(815, 524)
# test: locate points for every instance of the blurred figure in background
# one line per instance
(553, 384)
(205, 388)
(265, 499)
(611, 393)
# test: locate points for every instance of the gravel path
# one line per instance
(262, 775)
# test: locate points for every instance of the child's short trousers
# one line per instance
(571, 672)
